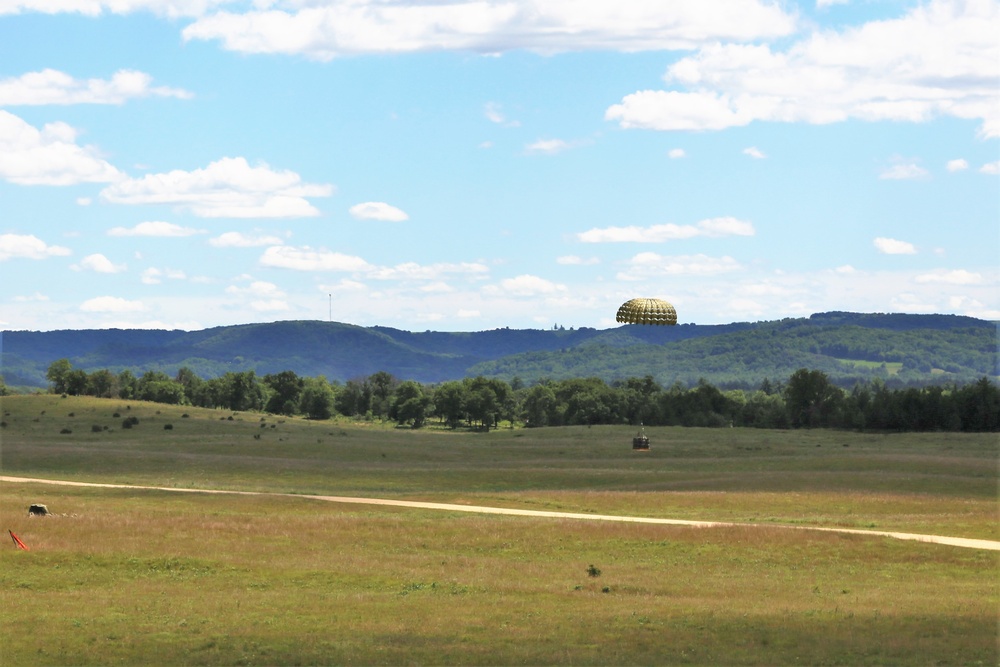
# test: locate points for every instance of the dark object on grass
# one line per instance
(38, 510)
(640, 442)
(593, 571)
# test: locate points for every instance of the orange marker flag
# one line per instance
(17, 541)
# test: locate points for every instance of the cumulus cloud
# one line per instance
(493, 113)
(414, 271)
(957, 165)
(111, 304)
(154, 276)
(712, 227)
(226, 188)
(51, 86)
(549, 146)
(307, 259)
(676, 153)
(241, 240)
(377, 210)
(168, 8)
(28, 246)
(525, 286)
(326, 31)
(954, 277)
(888, 246)
(154, 228)
(754, 152)
(991, 168)
(903, 171)
(99, 264)
(50, 156)
(261, 295)
(940, 59)
(650, 265)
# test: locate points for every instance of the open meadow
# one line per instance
(157, 577)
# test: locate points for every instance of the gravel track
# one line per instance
(963, 542)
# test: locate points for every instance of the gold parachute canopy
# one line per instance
(647, 311)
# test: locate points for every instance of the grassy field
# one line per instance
(148, 577)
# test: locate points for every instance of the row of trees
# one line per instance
(808, 399)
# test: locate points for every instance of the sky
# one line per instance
(465, 165)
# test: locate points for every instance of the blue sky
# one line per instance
(464, 165)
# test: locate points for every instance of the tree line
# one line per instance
(807, 399)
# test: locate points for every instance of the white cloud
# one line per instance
(823, 4)
(169, 8)
(954, 277)
(903, 171)
(155, 228)
(464, 313)
(99, 264)
(957, 165)
(940, 59)
(549, 146)
(261, 295)
(573, 260)
(712, 227)
(495, 115)
(377, 210)
(325, 31)
(240, 240)
(754, 152)
(50, 156)
(50, 86)
(154, 276)
(438, 287)
(37, 296)
(525, 286)
(888, 246)
(992, 168)
(28, 246)
(306, 259)
(226, 188)
(846, 270)
(676, 153)
(414, 271)
(111, 304)
(650, 265)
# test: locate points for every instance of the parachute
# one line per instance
(647, 311)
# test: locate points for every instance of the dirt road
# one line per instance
(477, 509)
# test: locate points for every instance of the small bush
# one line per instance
(117, 415)
(185, 416)
(65, 431)
(168, 427)
(72, 414)
(129, 422)
(593, 571)
(96, 428)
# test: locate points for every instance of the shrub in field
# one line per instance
(168, 427)
(96, 428)
(593, 571)
(65, 431)
(129, 422)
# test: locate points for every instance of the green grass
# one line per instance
(148, 577)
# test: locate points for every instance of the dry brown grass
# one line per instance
(140, 577)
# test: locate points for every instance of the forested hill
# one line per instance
(917, 349)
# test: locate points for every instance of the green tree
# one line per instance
(58, 375)
(317, 399)
(102, 384)
(286, 388)
(410, 404)
(811, 399)
(449, 402)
